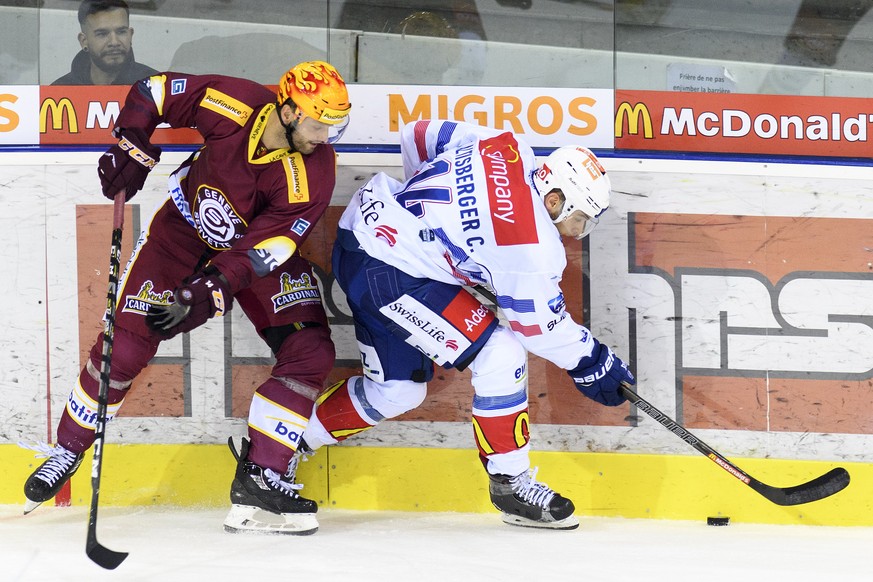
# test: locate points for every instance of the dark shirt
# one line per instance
(80, 72)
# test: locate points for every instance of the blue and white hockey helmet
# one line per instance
(576, 172)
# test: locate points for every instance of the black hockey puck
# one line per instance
(718, 520)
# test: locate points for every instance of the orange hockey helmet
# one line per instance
(318, 90)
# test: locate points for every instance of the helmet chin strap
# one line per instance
(542, 196)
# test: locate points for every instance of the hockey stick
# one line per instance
(99, 554)
(826, 485)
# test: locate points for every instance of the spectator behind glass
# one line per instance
(820, 29)
(106, 57)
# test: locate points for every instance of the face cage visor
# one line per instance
(577, 220)
(335, 132)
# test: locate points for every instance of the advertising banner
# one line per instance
(743, 124)
(546, 117)
(18, 122)
(85, 115)
(766, 316)
(773, 125)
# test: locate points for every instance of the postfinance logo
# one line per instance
(227, 106)
(633, 116)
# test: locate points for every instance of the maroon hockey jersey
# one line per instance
(253, 208)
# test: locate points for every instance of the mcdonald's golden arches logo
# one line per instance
(634, 116)
(59, 111)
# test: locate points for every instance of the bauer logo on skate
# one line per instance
(146, 297)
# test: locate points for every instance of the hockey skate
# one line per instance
(526, 502)
(264, 501)
(45, 482)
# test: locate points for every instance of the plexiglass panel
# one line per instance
(19, 49)
(803, 47)
(809, 47)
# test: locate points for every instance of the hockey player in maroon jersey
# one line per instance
(238, 210)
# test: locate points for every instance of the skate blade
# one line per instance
(566, 523)
(31, 505)
(250, 519)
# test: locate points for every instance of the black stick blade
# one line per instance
(104, 557)
(101, 555)
(831, 482)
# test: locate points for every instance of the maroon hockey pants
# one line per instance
(284, 306)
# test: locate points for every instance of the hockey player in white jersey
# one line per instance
(475, 210)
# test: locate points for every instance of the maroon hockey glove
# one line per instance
(206, 295)
(125, 165)
(599, 376)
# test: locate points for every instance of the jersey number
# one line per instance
(418, 191)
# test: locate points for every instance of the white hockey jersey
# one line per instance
(468, 214)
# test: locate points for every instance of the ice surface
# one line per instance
(170, 544)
